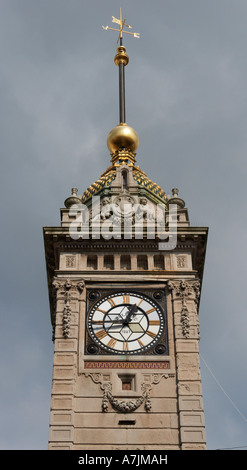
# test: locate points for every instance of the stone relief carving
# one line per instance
(181, 261)
(67, 289)
(70, 261)
(124, 406)
(128, 209)
(130, 404)
(183, 290)
(185, 320)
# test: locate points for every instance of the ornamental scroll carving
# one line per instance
(184, 291)
(128, 405)
(67, 289)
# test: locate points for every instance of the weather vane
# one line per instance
(121, 60)
(121, 30)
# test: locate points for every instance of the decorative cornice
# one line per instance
(57, 239)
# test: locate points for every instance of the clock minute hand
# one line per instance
(132, 310)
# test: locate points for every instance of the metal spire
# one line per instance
(121, 59)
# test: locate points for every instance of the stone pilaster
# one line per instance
(185, 296)
(67, 295)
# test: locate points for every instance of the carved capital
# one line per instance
(183, 289)
(67, 287)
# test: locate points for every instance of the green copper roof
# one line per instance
(103, 182)
(139, 176)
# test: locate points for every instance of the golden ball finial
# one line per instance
(121, 56)
(123, 137)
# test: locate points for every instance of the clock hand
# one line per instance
(131, 312)
(114, 322)
(123, 321)
(118, 316)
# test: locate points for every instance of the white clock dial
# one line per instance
(126, 323)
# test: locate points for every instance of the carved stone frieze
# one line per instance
(130, 404)
(67, 289)
(128, 210)
(184, 291)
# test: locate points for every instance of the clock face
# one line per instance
(125, 323)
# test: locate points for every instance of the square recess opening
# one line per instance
(127, 381)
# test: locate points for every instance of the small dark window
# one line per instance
(124, 179)
(92, 261)
(142, 262)
(109, 262)
(158, 262)
(125, 262)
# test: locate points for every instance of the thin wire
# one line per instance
(232, 448)
(232, 402)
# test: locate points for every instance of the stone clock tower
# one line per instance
(124, 274)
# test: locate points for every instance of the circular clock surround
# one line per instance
(126, 322)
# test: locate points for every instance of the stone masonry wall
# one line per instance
(84, 417)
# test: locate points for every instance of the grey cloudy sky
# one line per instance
(186, 96)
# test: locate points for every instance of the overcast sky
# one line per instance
(186, 96)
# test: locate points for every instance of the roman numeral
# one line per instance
(101, 334)
(154, 322)
(126, 299)
(150, 333)
(150, 310)
(112, 343)
(111, 302)
(97, 322)
(125, 346)
(141, 344)
(140, 302)
(99, 310)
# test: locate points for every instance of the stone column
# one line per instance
(117, 262)
(133, 262)
(185, 296)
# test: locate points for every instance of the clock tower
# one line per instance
(124, 272)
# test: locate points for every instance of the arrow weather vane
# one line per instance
(121, 30)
